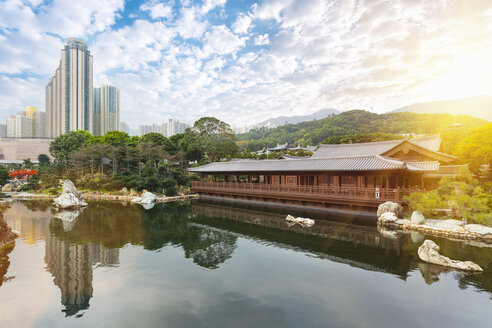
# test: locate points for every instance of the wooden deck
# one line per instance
(351, 196)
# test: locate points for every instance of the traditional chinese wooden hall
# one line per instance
(352, 178)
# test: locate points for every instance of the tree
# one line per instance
(476, 148)
(210, 126)
(217, 138)
(157, 139)
(63, 146)
(116, 138)
(4, 175)
(462, 195)
(43, 160)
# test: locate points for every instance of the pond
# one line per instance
(199, 264)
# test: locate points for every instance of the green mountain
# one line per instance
(355, 122)
(479, 106)
(277, 121)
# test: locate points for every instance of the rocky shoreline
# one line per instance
(98, 196)
(451, 229)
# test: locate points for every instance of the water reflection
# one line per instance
(208, 235)
(72, 267)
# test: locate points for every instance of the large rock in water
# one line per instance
(388, 217)
(70, 197)
(69, 188)
(429, 252)
(417, 217)
(147, 200)
(390, 207)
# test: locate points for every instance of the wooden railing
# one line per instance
(354, 193)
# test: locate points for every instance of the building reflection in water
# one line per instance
(72, 267)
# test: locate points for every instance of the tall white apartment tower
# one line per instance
(69, 94)
(106, 115)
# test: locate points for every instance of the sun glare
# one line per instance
(470, 76)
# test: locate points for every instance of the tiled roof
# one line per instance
(354, 163)
(374, 148)
(426, 166)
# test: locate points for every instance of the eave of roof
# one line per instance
(337, 164)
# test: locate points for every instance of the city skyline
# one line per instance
(245, 61)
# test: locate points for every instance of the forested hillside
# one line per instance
(355, 122)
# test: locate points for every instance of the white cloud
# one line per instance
(211, 4)
(261, 40)
(220, 40)
(190, 24)
(242, 24)
(186, 62)
(158, 10)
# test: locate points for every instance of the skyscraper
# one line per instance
(69, 98)
(124, 127)
(23, 126)
(106, 113)
(39, 125)
(11, 126)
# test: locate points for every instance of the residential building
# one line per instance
(69, 93)
(30, 111)
(10, 126)
(3, 130)
(169, 128)
(23, 126)
(39, 124)
(106, 115)
(124, 127)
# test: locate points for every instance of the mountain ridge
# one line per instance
(477, 106)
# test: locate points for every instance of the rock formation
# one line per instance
(305, 222)
(70, 197)
(429, 252)
(417, 217)
(390, 207)
(147, 200)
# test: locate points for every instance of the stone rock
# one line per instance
(133, 192)
(69, 188)
(429, 252)
(417, 217)
(305, 222)
(390, 207)
(70, 197)
(124, 190)
(68, 200)
(478, 229)
(147, 198)
(387, 217)
(7, 188)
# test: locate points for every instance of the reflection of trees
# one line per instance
(169, 225)
(208, 248)
(108, 224)
(7, 244)
(38, 206)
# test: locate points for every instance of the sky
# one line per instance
(246, 61)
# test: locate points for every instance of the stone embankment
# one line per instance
(99, 196)
(451, 229)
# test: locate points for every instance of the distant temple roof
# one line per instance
(432, 143)
(355, 163)
(373, 156)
